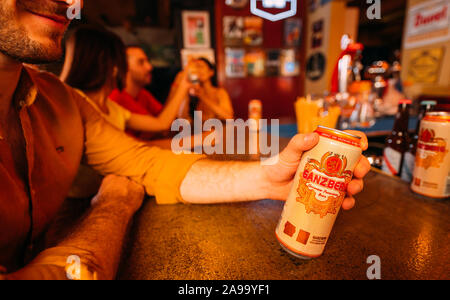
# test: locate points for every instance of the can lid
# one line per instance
(405, 101)
(439, 116)
(340, 136)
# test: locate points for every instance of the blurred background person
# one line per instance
(205, 96)
(96, 64)
(137, 99)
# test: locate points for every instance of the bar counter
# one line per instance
(409, 233)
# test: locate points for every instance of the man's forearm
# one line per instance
(102, 233)
(97, 243)
(210, 182)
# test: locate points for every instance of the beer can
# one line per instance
(432, 171)
(320, 187)
(255, 110)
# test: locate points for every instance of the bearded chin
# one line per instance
(40, 54)
(29, 51)
(16, 43)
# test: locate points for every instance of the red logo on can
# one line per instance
(333, 165)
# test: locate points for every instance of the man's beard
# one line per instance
(142, 81)
(16, 43)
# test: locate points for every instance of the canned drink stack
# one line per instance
(319, 190)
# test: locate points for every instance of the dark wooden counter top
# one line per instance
(410, 234)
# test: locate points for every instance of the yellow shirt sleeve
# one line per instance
(118, 116)
(110, 151)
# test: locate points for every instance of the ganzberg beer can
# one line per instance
(319, 189)
(432, 172)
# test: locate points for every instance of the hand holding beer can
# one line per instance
(320, 187)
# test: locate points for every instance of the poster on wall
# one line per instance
(292, 32)
(196, 29)
(253, 31)
(191, 54)
(425, 65)
(235, 63)
(255, 62)
(273, 63)
(428, 23)
(317, 34)
(289, 63)
(233, 30)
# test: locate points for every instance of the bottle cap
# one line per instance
(428, 102)
(405, 101)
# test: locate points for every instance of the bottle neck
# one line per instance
(423, 112)
(402, 120)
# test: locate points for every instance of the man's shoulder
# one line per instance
(55, 93)
(48, 84)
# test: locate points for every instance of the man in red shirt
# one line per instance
(135, 97)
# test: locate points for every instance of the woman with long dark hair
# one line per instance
(96, 64)
(213, 101)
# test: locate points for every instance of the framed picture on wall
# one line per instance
(273, 62)
(292, 32)
(233, 30)
(235, 63)
(196, 29)
(289, 63)
(255, 62)
(253, 31)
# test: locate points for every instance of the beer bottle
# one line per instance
(193, 97)
(397, 143)
(410, 155)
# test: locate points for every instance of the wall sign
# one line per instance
(425, 65)
(261, 8)
(428, 23)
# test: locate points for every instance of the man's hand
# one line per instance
(281, 175)
(121, 191)
(209, 181)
